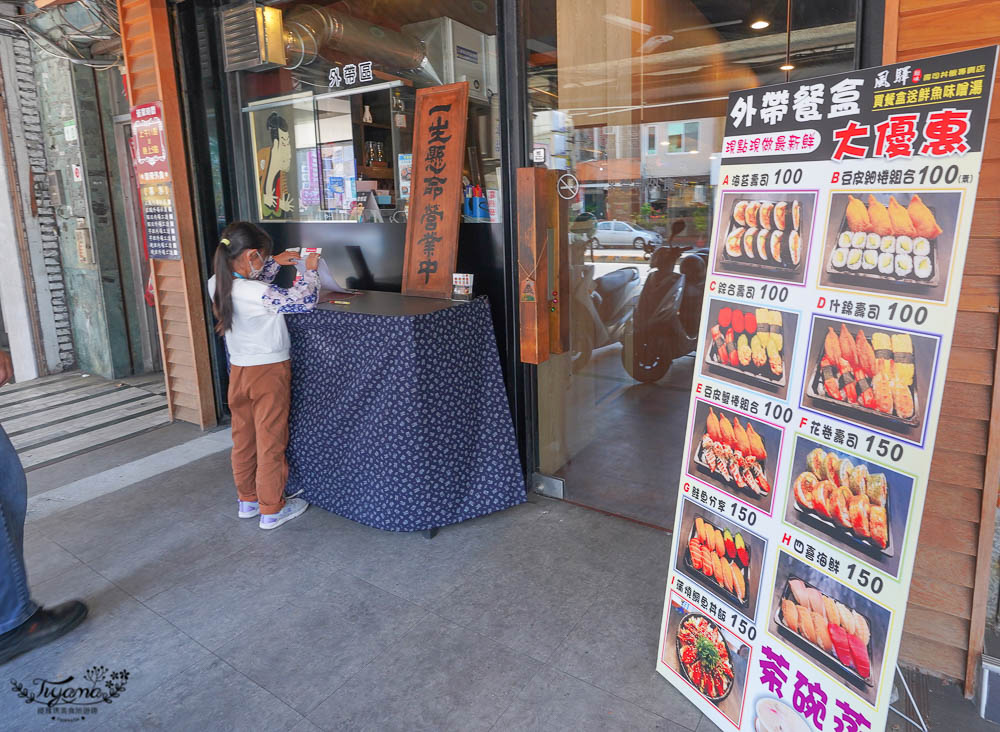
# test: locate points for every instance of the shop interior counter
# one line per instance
(399, 414)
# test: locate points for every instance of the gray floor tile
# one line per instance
(556, 702)
(527, 608)
(119, 633)
(147, 566)
(614, 648)
(243, 591)
(437, 677)
(208, 696)
(326, 634)
(44, 559)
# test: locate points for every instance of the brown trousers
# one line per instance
(259, 399)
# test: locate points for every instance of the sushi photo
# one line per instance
(849, 501)
(721, 556)
(748, 344)
(829, 624)
(766, 236)
(735, 453)
(877, 382)
(905, 225)
(710, 659)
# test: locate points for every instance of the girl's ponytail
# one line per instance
(236, 238)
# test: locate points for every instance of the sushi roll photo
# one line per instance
(739, 212)
(854, 259)
(888, 244)
(870, 260)
(922, 267)
(795, 247)
(763, 236)
(839, 258)
(904, 245)
(751, 213)
(764, 214)
(796, 215)
(904, 265)
(921, 247)
(778, 246)
(873, 241)
(886, 263)
(734, 243)
(858, 239)
(750, 239)
(845, 240)
(748, 242)
(780, 214)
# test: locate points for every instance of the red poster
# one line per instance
(150, 140)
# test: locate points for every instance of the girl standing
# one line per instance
(250, 314)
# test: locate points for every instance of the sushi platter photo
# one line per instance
(896, 241)
(869, 376)
(750, 345)
(853, 502)
(765, 234)
(708, 657)
(720, 555)
(838, 634)
(836, 628)
(736, 453)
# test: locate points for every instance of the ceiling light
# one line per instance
(760, 24)
(787, 67)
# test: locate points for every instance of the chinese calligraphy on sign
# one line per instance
(152, 170)
(432, 228)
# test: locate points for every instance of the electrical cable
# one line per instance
(64, 57)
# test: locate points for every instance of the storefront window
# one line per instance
(329, 115)
(634, 108)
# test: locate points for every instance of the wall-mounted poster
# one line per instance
(843, 213)
(272, 134)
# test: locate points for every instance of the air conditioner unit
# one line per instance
(457, 53)
(252, 37)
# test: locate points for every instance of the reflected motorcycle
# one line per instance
(665, 324)
(602, 309)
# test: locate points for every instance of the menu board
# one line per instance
(841, 223)
(152, 170)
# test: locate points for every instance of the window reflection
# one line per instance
(634, 107)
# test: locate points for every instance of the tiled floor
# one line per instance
(543, 617)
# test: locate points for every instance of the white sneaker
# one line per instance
(249, 509)
(294, 507)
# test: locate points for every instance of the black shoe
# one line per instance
(43, 627)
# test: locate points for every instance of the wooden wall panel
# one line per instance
(177, 284)
(946, 615)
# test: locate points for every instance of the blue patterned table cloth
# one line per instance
(401, 422)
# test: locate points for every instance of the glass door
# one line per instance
(628, 96)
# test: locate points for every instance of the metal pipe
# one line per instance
(310, 30)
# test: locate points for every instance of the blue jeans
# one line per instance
(15, 600)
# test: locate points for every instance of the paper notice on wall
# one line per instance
(841, 223)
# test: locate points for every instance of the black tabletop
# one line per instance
(383, 303)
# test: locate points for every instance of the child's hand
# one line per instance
(312, 261)
(287, 258)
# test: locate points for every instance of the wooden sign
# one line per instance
(436, 198)
(536, 191)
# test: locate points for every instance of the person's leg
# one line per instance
(271, 393)
(272, 399)
(23, 625)
(244, 456)
(15, 600)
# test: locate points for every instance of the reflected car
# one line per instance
(623, 234)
